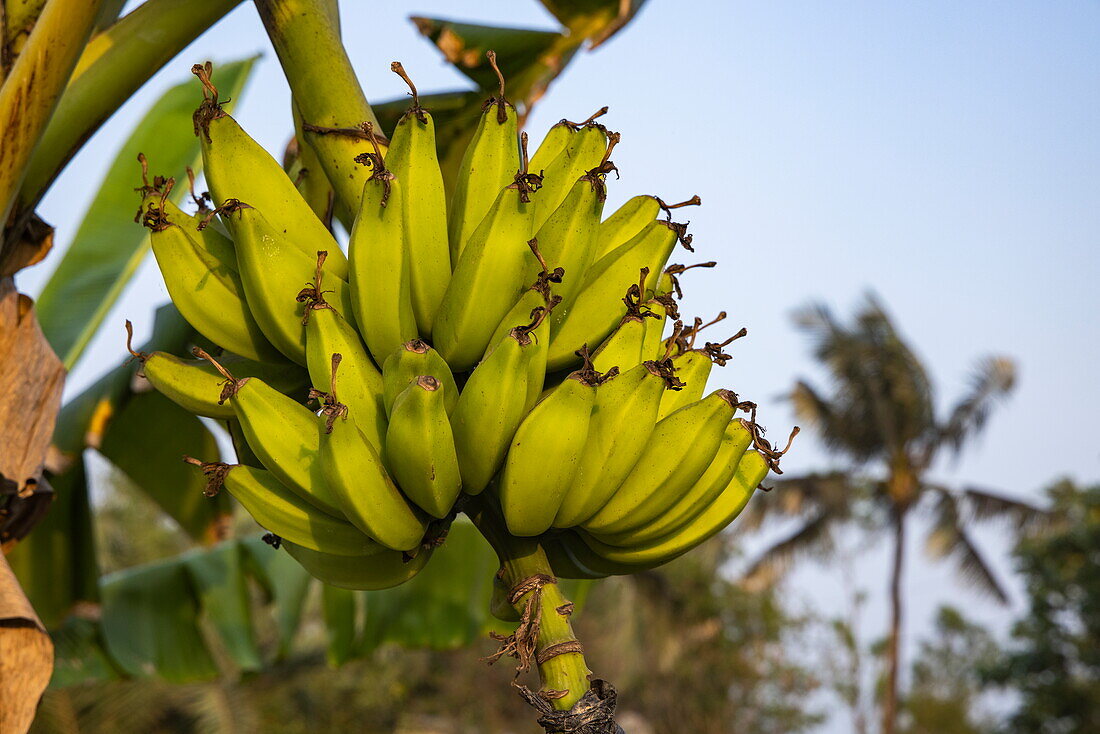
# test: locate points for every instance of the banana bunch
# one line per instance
(447, 354)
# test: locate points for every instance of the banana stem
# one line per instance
(325, 88)
(522, 559)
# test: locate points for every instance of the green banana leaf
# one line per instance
(221, 586)
(595, 20)
(339, 609)
(528, 59)
(445, 605)
(109, 246)
(287, 584)
(146, 440)
(151, 623)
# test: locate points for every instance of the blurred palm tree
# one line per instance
(879, 411)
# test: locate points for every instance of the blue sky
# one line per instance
(945, 154)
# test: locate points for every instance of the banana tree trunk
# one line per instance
(890, 699)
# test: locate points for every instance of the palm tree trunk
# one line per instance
(890, 701)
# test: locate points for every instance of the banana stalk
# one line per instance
(325, 88)
(523, 559)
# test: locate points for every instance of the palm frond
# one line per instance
(814, 536)
(948, 540)
(880, 397)
(993, 379)
(985, 506)
(833, 492)
(810, 407)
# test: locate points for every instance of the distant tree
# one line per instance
(947, 688)
(1054, 661)
(879, 412)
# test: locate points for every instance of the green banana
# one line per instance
(383, 569)
(709, 522)
(694, 366)
(420, 447)
(328, 334)
(488, 276)
(409, 361)
(625, 347)
(489, 164)
(283, 512)
(380, 267)
(587, 150)
(237, 167)
(368, 497)
(273, 272)
(490, 409)
(735, 441)
(200, 272)
(630, 218)
(558, 138)
(623, 418)
(195, 385)
(676, 454)
(412, 158)
(544, 454)
(568, 235)
(282, 433)
(597, 308)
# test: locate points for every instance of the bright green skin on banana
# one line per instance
(626, 222)
(735, 441)
(420, 448)
(543, 457)
(283, 435)
(380, 269)
(237, 167)
(693, 368)
(567, 239)
(653, 346)
(412, 158)
(708, 523)
(195, 385)
(201, 276)
(557, 138)
(520, 315)
(409, 361)
(358, 381)
(624, 348)
(487, 281)
(677, 453)
(489, 164)
(363, 489)
(623, 417)
(284, 513)
(273, 272)
(557, 547)
(583, 153)
(489, 411)
(598, 308)
(383, 569)
(211, 238)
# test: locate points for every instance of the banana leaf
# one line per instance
(109, 246)
(217, 575)
(444, 606)
(151, 623)
(79, 654)
(287, 584)
(146, 440)
(339, 609)
(528, 59)
(595, 20)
